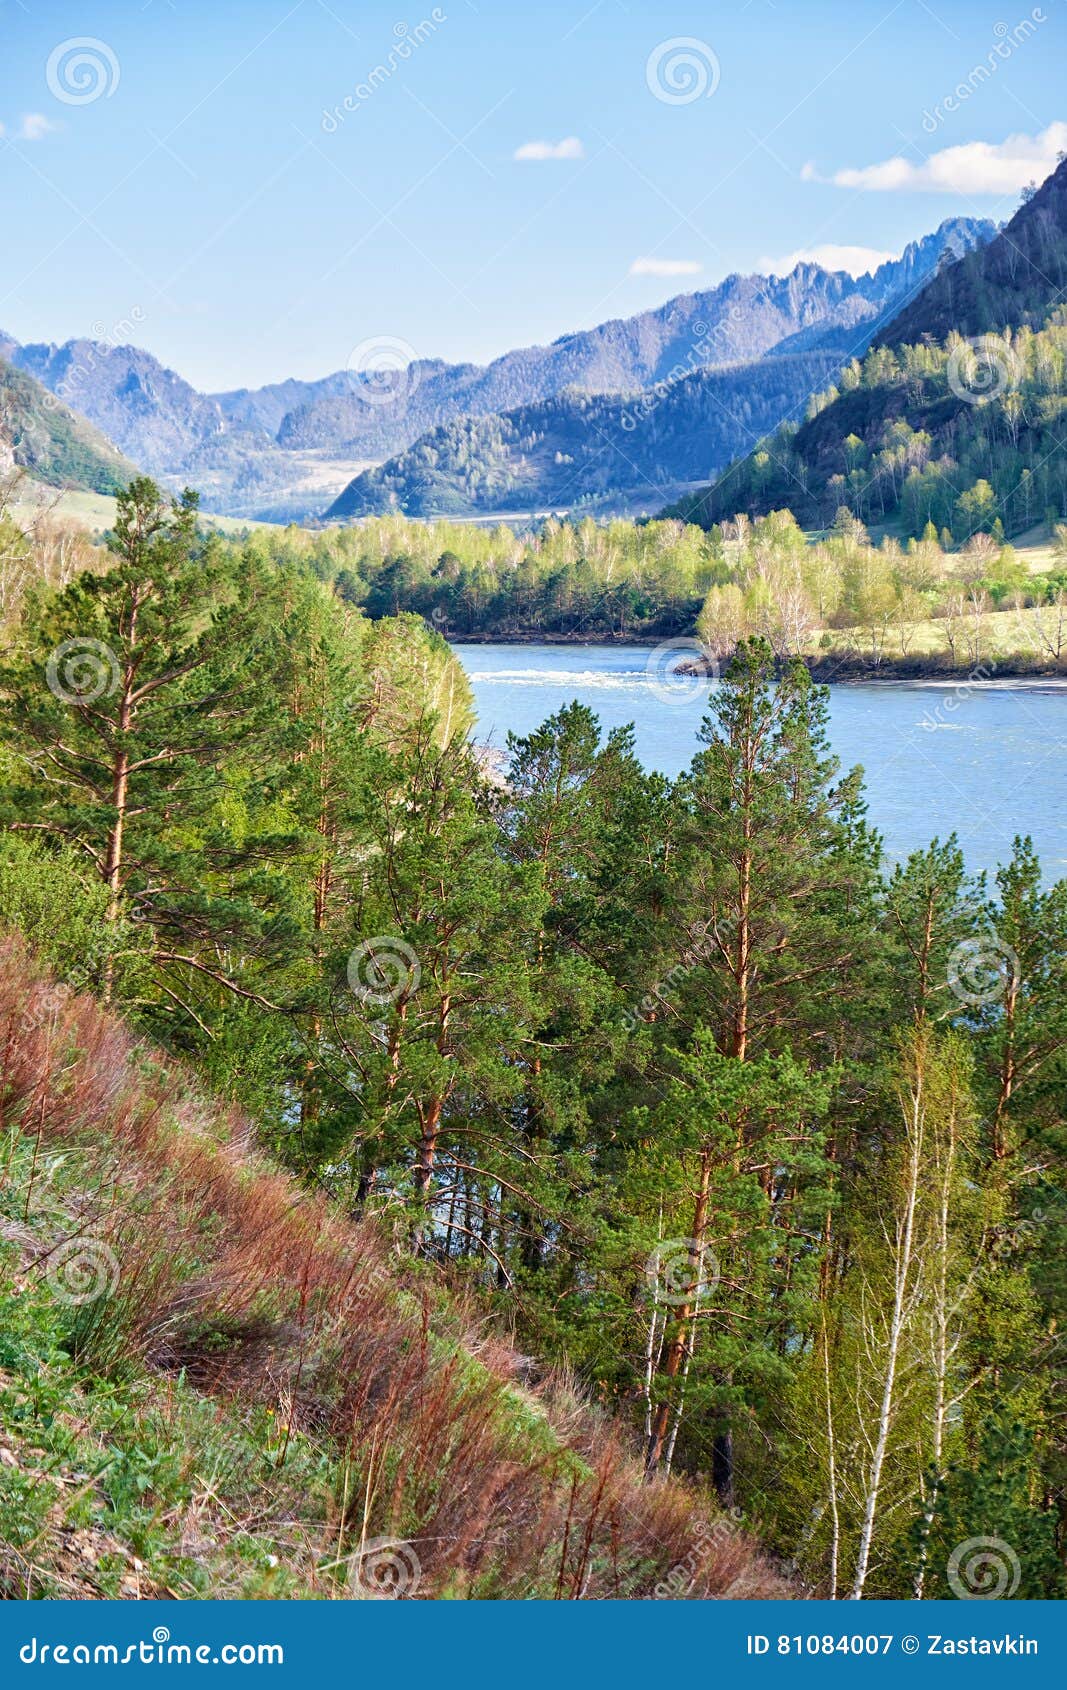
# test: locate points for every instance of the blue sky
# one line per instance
(216, 195)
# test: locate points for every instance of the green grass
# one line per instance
(120, 1484)
(95, 512)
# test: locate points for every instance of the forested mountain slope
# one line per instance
(709, 360)
(196, 1357)
(218, 1377)
(678, 1079)
(248, 450)
(588, 450)
(40, 434)
(956, 414)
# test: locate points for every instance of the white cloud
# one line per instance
(855, 260)
(569, 147)
(665, 267)
(978, 167)
(35, 125)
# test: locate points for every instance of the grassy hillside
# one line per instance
(95, 512)
(212, 1383)
(59, 447)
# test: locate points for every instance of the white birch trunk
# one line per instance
(902, 1271)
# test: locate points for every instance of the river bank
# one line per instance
(928, 670)
(839, 667)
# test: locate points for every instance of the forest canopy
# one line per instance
(761, 1137)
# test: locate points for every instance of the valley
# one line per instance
(533, 864)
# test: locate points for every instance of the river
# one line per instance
(986, 761)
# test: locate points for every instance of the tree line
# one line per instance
(841, 593)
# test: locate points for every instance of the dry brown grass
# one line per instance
(263, 1292)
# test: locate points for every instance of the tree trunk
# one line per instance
(120, 791)
(831, 1445)
(677, 1350)
(901, 1285)
(722, 1467)
(941, 1348)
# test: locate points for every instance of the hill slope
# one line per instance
(40, 434)
(1013, 281)
(212, 1384)
(930, 427)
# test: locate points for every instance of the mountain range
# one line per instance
(591, 452)
(467, 438)
(709, 351)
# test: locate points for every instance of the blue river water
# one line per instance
(983, 761)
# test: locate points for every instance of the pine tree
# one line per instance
(429, 994)
(130, 695)
(764, 874)
(993, 1534)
